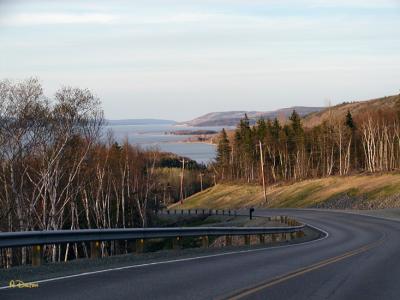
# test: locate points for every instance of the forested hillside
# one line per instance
(367, 140)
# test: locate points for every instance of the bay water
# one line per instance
(158, 136)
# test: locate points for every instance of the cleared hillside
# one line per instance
(358, 192)
(356, 108)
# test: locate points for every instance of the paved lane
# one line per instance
(358, 260)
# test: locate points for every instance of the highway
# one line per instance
(359, 259)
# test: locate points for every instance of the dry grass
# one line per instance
(302, 194)
(356, 108)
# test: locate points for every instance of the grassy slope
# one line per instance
(373, 191)
(356, 108)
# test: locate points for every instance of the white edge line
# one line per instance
(326, 235)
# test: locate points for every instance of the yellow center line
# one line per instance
(301, 271)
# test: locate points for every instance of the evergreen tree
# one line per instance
(245, 122)
(294, 131)
(349, 121)
(223, 149)
(276, 129)
(261, 129)
(246, 136)
(296, 124)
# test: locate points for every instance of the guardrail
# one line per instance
(223, 212)
(95, 236)
(30, 238)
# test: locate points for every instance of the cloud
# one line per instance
(354, 3)
(186, 17)
(30, 19)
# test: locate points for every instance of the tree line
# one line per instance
(277, 151)
(60, 170)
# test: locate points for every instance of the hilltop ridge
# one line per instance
(355, 107)
(232, 118)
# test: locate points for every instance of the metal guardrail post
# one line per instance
(204, 241)
(274, 237)
(262, 238)
(131, 245)
(203, 211)
(195, 211)
(176, 243)
(95, 249)
(36, 255)
(229, 212)
(228, 240)
(181, 211)
(168, 212)
(139, 246)
(188, 211)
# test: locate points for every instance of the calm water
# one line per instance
(154, 136)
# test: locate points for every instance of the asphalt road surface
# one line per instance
(359, 259)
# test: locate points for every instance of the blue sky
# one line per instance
(180, 59)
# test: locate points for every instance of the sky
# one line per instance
(179, 59)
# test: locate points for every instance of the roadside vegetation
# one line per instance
(342, 192)
(60, 170)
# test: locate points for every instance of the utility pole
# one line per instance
(182, 174)
(201, 181)
(164, 190)
(262, 170)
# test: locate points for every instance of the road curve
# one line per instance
(358, 260)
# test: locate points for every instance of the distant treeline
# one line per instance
(369, 141)
(192, 132)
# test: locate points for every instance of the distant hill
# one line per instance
(355, 107)
(139, 122)
(232, 118)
